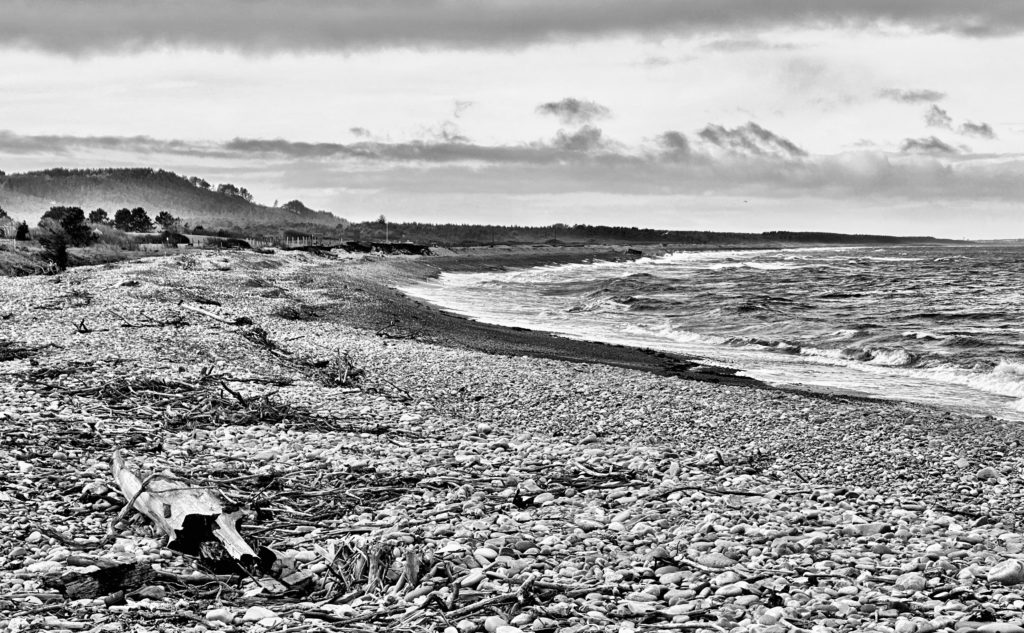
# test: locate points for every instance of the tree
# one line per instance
(133, 221)
(71, 222)
(296, 207)
(140, 221)
(228, 189)
(55, 244)
(59, 228)
(21, 232)
(3, 214)
(98, 216)
(166, 220)
(123, 219)
(199, 182)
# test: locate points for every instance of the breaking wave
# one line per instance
(942, 324)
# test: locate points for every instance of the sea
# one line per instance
(939, 325)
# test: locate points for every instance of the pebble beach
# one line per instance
(407, 479)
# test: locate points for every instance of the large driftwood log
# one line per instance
(102, 577)
(191, 517)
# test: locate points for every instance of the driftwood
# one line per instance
(100, 577)
(196, 520)
(215, 317)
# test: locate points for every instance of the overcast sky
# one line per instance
(748, 115)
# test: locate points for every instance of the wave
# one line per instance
(962, 340)
(849, 334)
(1005, 379)
(665, 329)
(900, 322)
(892, 358)
(645, 304)
(755, 266)
(980, 315)
(596, 304)
(895, 259)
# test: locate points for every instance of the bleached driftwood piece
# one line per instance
(190, 516)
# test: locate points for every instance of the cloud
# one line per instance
(937, 117)
(82, 26)
(655, 61)
(744, 44)
(585, 139)
(572, 111)
(928, 145)
(748, 160)
(675, 145)
(433, 150)
(982, 130)
(460, 107)
(448, 132)
(752, 140)
(12, 143)
(912, 96)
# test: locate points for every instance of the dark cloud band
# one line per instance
(747, 159)
(78, 26)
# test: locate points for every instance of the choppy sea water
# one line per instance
(937, 325)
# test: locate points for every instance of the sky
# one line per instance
(875, 116)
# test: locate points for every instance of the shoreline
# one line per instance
(551, 345)
(556, 493)
(481, 259)
(382, 307)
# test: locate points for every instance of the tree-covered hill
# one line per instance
(28, 195)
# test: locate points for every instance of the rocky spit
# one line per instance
(408, 486)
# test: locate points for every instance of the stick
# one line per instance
(488, 602)
(238, 321)
(112, 530)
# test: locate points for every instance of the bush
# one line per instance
(21, 232)
(71, 222)
(55, 247)
(110, 236)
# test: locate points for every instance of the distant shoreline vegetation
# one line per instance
(583, 234)
(193, 205)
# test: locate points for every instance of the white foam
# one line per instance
(833, 354)
(666, 330)
(772, 266)
(891, 357)
(846, 334)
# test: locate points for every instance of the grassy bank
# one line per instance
(29, 258)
